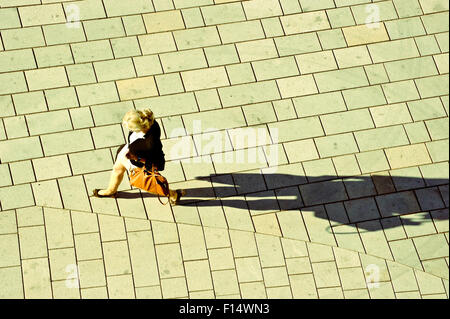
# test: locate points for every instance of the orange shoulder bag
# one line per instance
(152, 182)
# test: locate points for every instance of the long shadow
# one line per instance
(346, 200)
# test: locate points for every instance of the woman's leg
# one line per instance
(116, 178)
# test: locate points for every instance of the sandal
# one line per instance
(96, 194)
(180, 193)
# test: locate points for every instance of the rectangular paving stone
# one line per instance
(36, 279)
(195, 275)
(241, 31)
(332, 39)
(33, 242)
(62, 98)
(390, 114)
(92, 273)
(403, 156)
(433, 246)
(352, 278)
(51, 167)
(437, 150)
(381, 138)
(6, 106)
(435, 23)
(97, 93)
(23, 38)
(120, 287)
(58, 228)
(376, 73)
(323, 192)
(353, 56)
(15, 127)
(192, 17)
(433, 86)
(271, 254)
(183, 60)
(249, 93)
(405, 28)
(426, 109)
(426, 226)
(169, 260)
(326, 274)
(13, 83)
(53, 56)
(163, 21)
(225, 282)
(366, 33)
(364, 97)
(84, 10)
(125, 47)
(319, 170)
(192, 242)
(298, 44)
(92, 51)
(361, 210)
(305, 22)
(411, 68)
(133, 7)
(88, 246)
(157, 43)
(55, 77)
(49, 122)
(221, 55)
(103, 29)
(417, 132)
(341, 79)
(20, 149)
(41, 14)
(63, 266)
(304, 128)
(9, 18)
(261, 9)
(117, 260)
(397, 204)
(340, 17)
(17, 60)
(81, 74)
(438, 128)
(147, 65)
(114, 70)
(54, 144)
(137, 88)
(46, 193)
(398, 49)
(316, 62)
(385, 11)
(346, 165)
(9, 246)
(205, 78)
(223, 13)
(12, 281)
(347, 121)
(61, 34)
(256, 50)
(275, 68)
(297, 86)
(303, 286)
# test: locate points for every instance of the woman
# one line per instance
(144, 145)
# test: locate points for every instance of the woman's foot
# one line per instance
(104, 194)
(179, 193)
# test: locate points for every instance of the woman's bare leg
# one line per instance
(116, 178)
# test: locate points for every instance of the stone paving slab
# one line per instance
(315, 121)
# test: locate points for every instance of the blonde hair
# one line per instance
(138, 121)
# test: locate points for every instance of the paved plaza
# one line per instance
(311, 136)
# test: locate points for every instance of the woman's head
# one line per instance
(138, 121)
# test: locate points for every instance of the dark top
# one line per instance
(149, 148)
